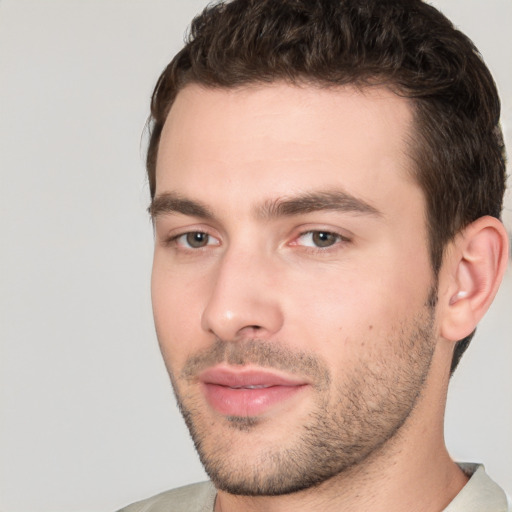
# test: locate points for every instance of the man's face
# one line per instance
(292, 289)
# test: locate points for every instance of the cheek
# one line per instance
(177, 313)
(342, 309)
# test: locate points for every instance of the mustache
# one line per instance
(260, 353)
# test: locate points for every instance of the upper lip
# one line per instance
(247, 377)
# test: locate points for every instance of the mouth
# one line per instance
(247, 392)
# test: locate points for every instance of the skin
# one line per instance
(257, 289)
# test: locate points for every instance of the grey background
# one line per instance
(87, 418)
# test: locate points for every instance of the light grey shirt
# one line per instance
(480, 494)
(191, 498)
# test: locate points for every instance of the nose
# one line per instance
(244, 301)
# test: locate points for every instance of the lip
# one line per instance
(247, 391)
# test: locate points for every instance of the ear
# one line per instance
(472, 272)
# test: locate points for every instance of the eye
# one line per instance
(319, 239)
(195, 240)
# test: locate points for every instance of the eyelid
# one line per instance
(169, 236)
(175, 240)
(341, 238)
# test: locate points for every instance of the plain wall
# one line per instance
(87, 417)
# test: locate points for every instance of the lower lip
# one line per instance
(245, 402)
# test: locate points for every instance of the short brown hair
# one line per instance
(405, 45)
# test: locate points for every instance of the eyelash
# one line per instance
(338, 239)
(174, 240)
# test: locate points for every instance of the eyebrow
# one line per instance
(170, 202)
(337, 200)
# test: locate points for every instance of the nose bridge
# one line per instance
(243, 301)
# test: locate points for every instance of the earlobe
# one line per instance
(476, 265)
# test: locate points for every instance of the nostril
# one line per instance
(250, 330)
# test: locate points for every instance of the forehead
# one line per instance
(265, 140)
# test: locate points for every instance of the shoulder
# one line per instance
(480, 493)
(190, 498)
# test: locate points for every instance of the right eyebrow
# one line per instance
(172, 203)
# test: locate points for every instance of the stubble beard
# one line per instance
(350, 420)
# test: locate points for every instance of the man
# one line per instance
(326, 184)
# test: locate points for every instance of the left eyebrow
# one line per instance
(316, 201)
